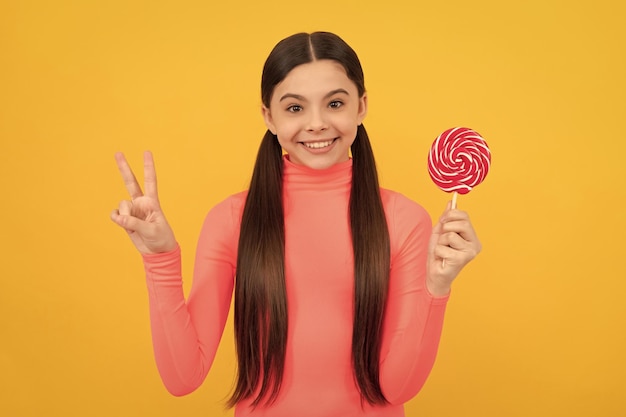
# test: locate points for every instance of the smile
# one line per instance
(318, 145)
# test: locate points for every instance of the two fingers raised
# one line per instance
(130, 181)
(127, 215)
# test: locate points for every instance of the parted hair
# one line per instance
(260, 315)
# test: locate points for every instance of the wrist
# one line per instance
(437, 289)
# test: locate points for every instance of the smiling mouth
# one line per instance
(318, 145)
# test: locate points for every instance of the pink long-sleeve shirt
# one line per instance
(318, 379)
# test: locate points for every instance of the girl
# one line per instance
(340, 288)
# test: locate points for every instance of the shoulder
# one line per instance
(220, 231)
(407, 221)
(231, 205)
(398, 207)
(225, 216)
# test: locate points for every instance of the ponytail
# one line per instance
(370, 241)
(260, 295)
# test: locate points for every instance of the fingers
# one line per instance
(456, 240)
(453, 214)
(119, 219)
(458, 221)
(125, 208)
(124, 218)
(149, 175)
(453, 242)
(128, 176)
(451, 257)
(129, 223)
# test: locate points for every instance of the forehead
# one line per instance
(315, 76)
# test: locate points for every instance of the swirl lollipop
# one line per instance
(459, 160)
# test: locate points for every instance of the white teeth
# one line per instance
(317, 145)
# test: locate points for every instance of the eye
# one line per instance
(294, 108)
(335, 104)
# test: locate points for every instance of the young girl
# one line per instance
(340, 286)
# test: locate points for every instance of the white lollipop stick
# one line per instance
(452, 206)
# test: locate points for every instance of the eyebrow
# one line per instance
(299, 97)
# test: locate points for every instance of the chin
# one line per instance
(321, 164)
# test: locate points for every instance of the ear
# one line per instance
(269, 121)
(362, 109)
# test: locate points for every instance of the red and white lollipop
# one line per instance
(458, 161)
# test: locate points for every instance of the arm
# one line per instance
(186, 335)
(414, 317)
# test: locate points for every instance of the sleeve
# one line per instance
(186, 334)
(413, 317)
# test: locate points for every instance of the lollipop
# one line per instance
(459, 160)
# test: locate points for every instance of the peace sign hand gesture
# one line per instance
(142, 217)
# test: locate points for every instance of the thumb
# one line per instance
(129, 223)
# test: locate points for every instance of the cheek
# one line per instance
(346, 121)
(287, 134)
(286, 131)
(283, 144)
(347, 127)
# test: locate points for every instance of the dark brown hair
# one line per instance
(260, 294)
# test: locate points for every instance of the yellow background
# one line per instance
(536, 325)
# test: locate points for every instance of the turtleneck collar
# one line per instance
(296, 176)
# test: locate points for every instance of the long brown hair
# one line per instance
(260, 292)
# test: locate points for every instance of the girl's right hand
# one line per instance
(142, 217)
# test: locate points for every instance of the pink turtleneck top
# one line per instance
(318, 379)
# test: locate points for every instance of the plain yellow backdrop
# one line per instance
(536, 325)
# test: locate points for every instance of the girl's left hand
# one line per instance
(453, 245)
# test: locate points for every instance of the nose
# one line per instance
(316, 122)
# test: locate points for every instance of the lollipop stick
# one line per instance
(452, 206)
